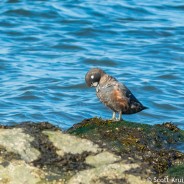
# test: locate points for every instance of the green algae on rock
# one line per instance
(152, 144)
(97, 151)
(176, 171)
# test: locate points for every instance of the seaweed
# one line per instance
(153, 145)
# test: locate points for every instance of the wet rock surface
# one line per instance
(93, 151)
(154, 147)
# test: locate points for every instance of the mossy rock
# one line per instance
(153, 144)
(176, 171)
(135, 151)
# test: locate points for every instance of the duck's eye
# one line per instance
(92, 77)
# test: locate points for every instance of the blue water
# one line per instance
(47, 46)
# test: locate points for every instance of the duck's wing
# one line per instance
(134, 105)
(113, 96)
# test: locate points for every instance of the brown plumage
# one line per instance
(113, 94)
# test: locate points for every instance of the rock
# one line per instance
(93, 151)
(113, 173)
(19, 172)
(14, 140)
(66, 143)
(153, 145)
(103, 158)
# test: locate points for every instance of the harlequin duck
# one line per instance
(113, 94)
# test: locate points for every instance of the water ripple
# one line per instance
(48, 46)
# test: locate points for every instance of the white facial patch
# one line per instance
(92, 77)
(95, 84)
